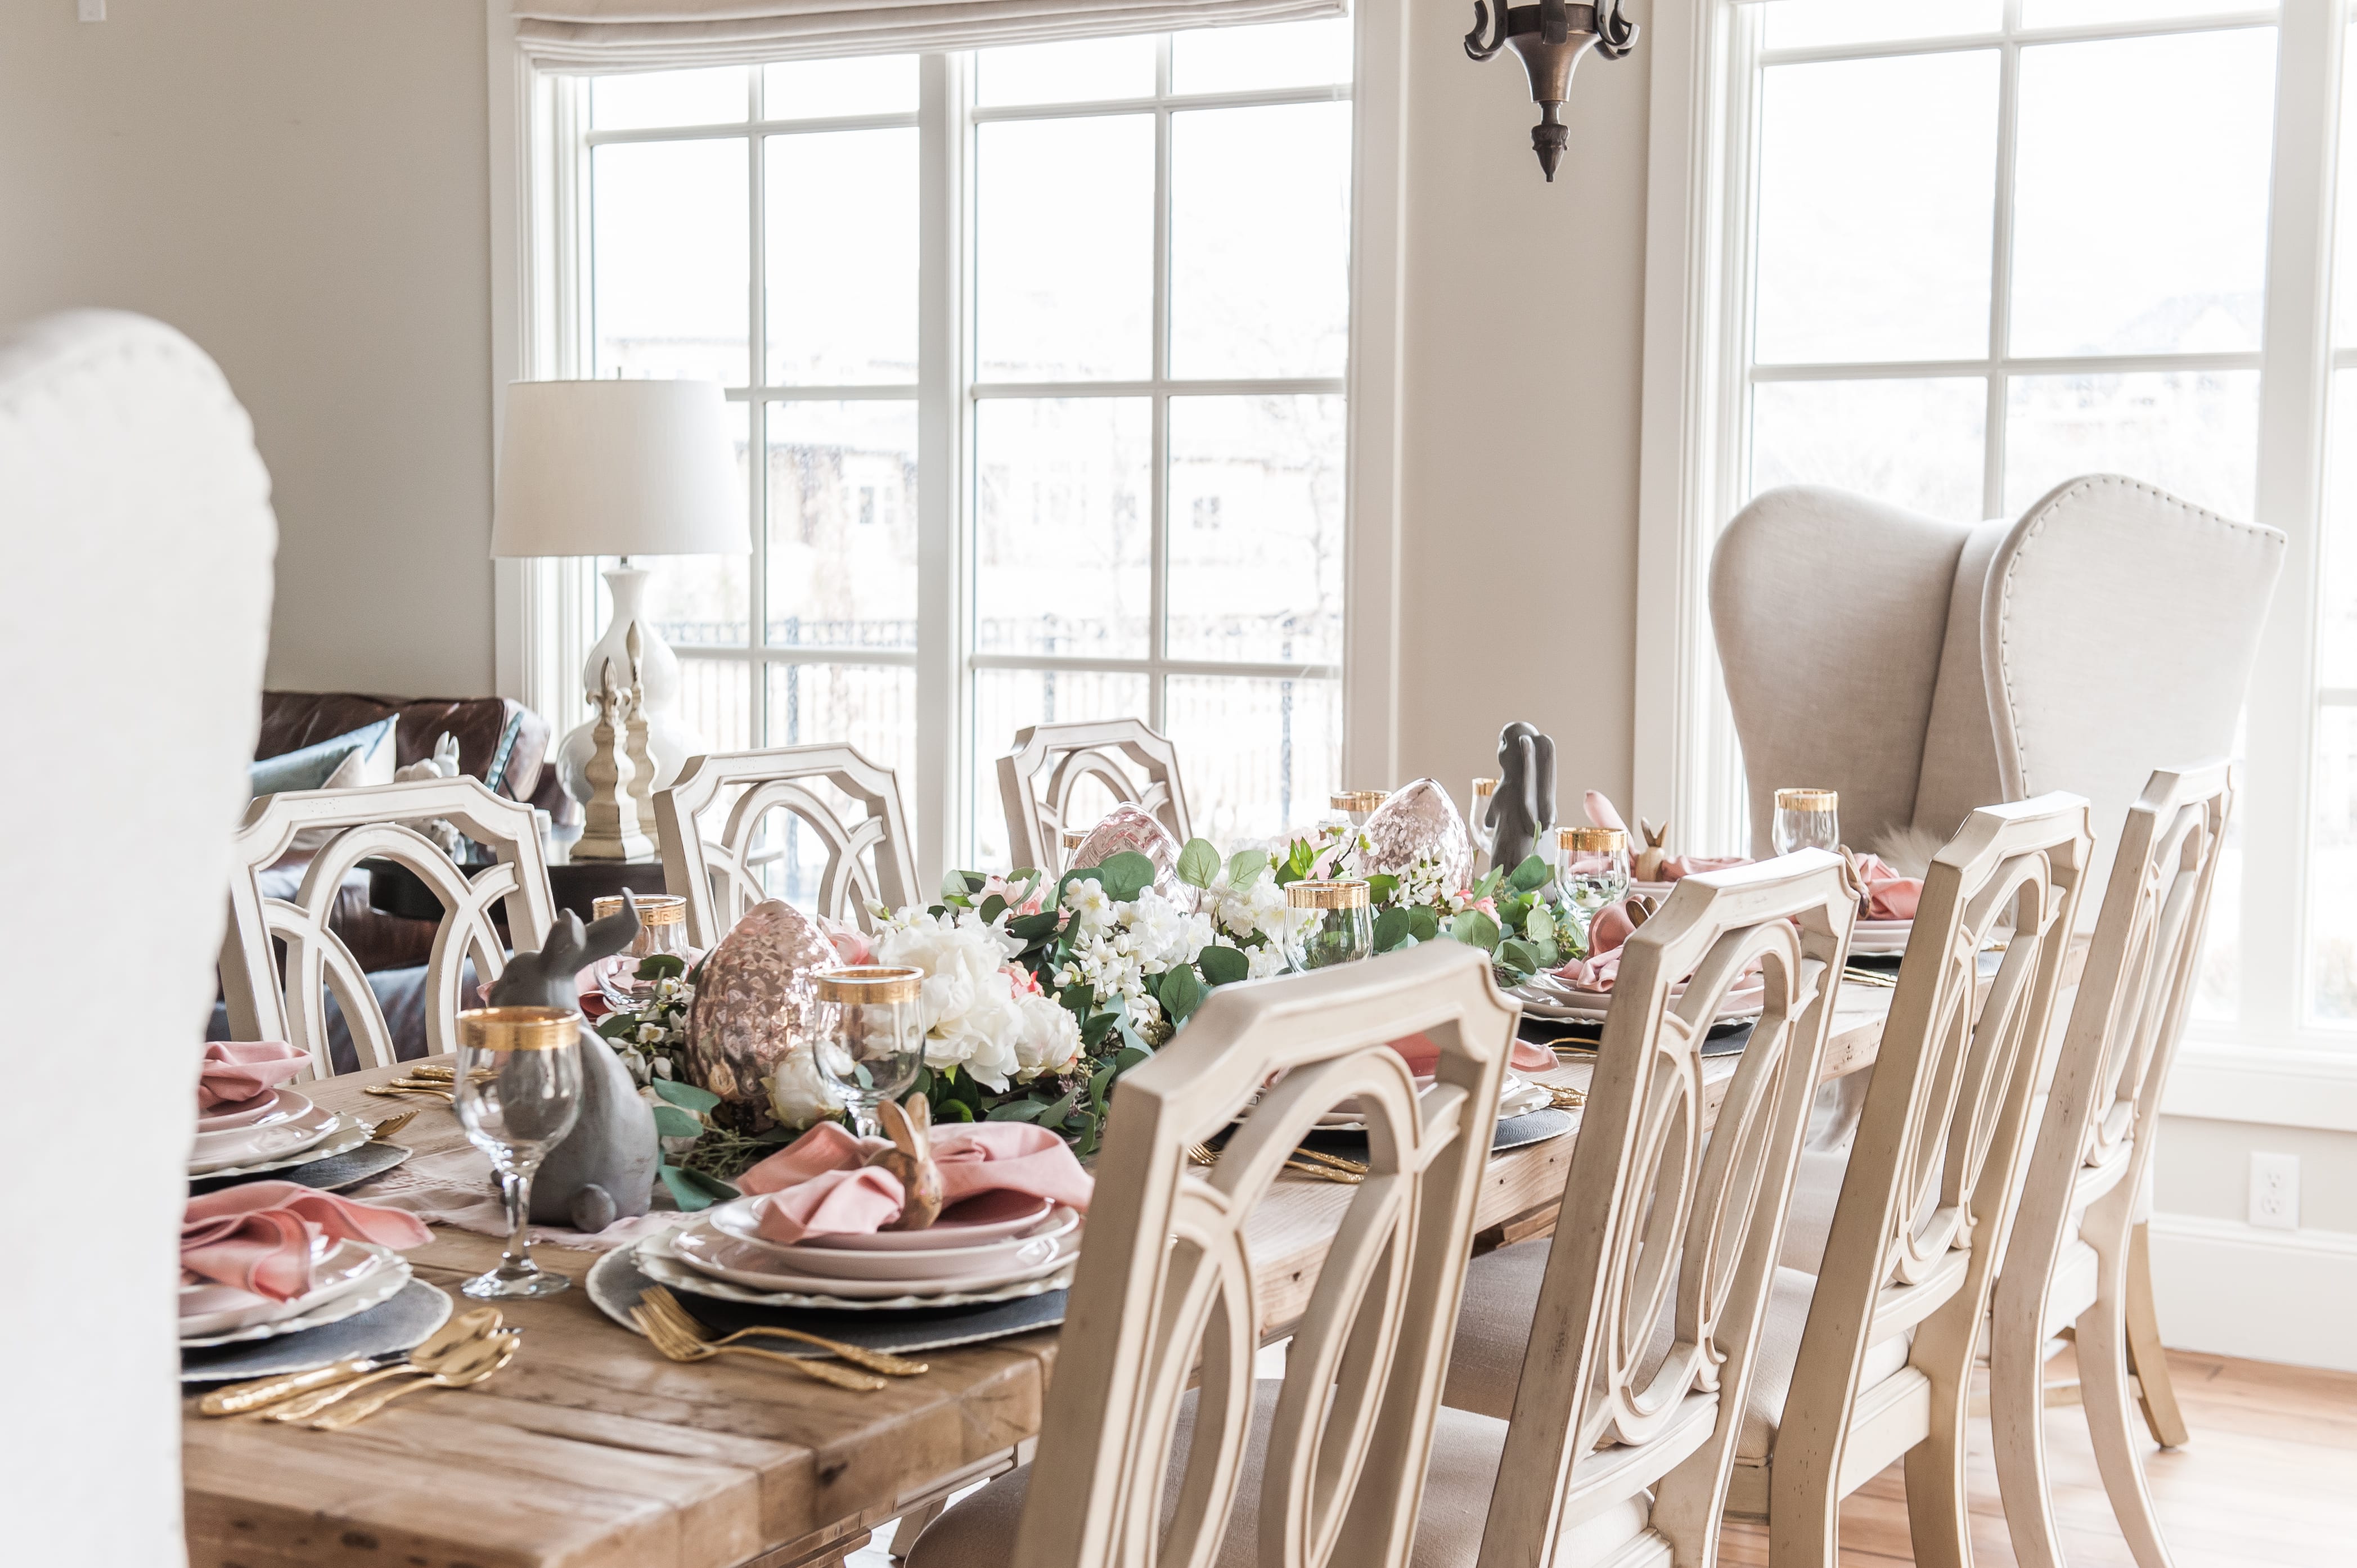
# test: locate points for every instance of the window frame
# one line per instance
(538, 223)
(1694, 461)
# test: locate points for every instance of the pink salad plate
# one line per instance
(709, 1250)
(985, 1217)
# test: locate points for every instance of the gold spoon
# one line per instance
(239, 1398)
(457, 1352)
(485, 1357)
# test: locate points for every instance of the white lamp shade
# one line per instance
(617, 468)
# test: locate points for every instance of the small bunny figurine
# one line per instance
(1648, 860)
(911, 1158)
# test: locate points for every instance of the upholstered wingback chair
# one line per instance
(1926, 668)
(137, 519)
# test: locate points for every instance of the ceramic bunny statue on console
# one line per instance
(605, 1169)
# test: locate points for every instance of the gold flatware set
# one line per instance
(679, 1337)
(1313, 1163)
(464, 1351)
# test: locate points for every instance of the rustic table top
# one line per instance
(592, 1450)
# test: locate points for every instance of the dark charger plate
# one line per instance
(333, 1173)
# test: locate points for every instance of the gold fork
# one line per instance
(1343, 1171)
(394, 1090)
(677, 1345)
(501, 1349)
(382, 1132)
(662, 1303)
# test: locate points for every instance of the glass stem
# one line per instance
(515, 1187)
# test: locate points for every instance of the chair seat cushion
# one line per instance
(1493, 1329)
(1779, 1352)
(978, 1530)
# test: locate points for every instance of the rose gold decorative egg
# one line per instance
(1419, 822)
(1128, 827)
(755, 1001)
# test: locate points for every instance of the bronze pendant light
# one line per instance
(1551, 37)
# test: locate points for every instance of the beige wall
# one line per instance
(301, 187)
(1525, 307)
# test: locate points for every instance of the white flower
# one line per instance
(974, 1018)
(798, 1096)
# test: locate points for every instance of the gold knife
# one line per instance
(240, 1398)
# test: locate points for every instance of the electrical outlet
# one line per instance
(2274, 1191)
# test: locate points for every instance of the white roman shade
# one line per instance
(644, 35)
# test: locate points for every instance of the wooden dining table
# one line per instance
(592, 1450)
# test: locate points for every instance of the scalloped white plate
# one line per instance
(656, 1258)
(275, 1106)
(344, 1134)
(360, 1285)
(732, 1242)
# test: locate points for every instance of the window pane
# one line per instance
(716, 701)
(2096, 13)
(842, 524)
(697, 601)
(2194, 432)
(1260, 225)
(2141, 193)
(842, 214)
(1255, 528)
(1876, 246)
(1086, 71)
(1004, 700)
(2344, 315)
(1064, 286)
(1914, 443)
(671, 260)
(1806, 24)
(871, 706)
(854, 84)
(715, 97)
(2336, 610)
(1241, 59)
(1261, 756)
(2332, 871)
(1063, 535)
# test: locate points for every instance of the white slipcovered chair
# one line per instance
(139, 539)
(1050, 763)
(1323, 1467)
(2067, 1263)
(715, 823)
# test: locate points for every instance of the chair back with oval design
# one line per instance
(268, 1002)
(1051, 762)
(1933, 1178)
(2067, 1260)
(1167, 1288)
(716, 822)
(1658, 1276)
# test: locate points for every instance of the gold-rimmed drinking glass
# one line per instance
(516, 1087)
(1806, 818)
(1356, 804)
(663, 930)
(1332, 922)
(871, 1037)
(1592, 866)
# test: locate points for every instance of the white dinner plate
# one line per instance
(1515, 1097)
(344, 1134)
(1880, 939)
(985, 1217)
(735, 1225)
(274, 1105)
(243, 1146)
(1546, 996)
(658, 1258)
(349, 1277)
(712, 1255)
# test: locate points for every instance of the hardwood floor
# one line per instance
(2268, 1481)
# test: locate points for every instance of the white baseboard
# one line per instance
(2232, 1289)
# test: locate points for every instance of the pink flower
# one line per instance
(851, 943)
(1026, 982)
(1001, 887)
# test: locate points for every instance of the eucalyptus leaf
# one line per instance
(1222, 966)
(686, 1191)
(1199, 863)
(1245, 865)
(1181, 992)
(1391, 929)
(992, 907)
(1054, 1115)
(1124, 876)
(1518, 955)
(1529, 876)
(685, 1095)
(952, 1111)
(1423, 923)
(671, 1122)
(660, 965)
(1031, 927)
(1130, 1057)
(1475, 929)
(1538, 926)
(1017, 1110)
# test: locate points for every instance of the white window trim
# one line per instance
(535, 219)
(1692, 459)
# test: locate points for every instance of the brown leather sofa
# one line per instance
(483, 725)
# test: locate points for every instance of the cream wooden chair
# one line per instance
(1037, 781)
(2067, 1266)
(1623, 1349)
(715, 843)
(1324, 1466)
(268, 1003)
(1872, 1359)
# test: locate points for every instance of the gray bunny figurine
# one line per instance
(604, 1170)
(1523, 807)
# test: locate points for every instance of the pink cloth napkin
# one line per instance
(258, 1237)
(1606, 933)
(1889, 896)
(1422, 1056)
(816, 1185)
(235, 1072)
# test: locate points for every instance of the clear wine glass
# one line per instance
(517, 1091)
(1594, 868)
(1806, 818)
(1332, 922)
(871, 1040)
(662, 930)
(1356, 804)
(1485, 837)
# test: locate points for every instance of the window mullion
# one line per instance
(1158, 470)
(2008, 116)
(2296, 365)
(944, 743)
(757, 428)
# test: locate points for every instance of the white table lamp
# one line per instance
(624, 468)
